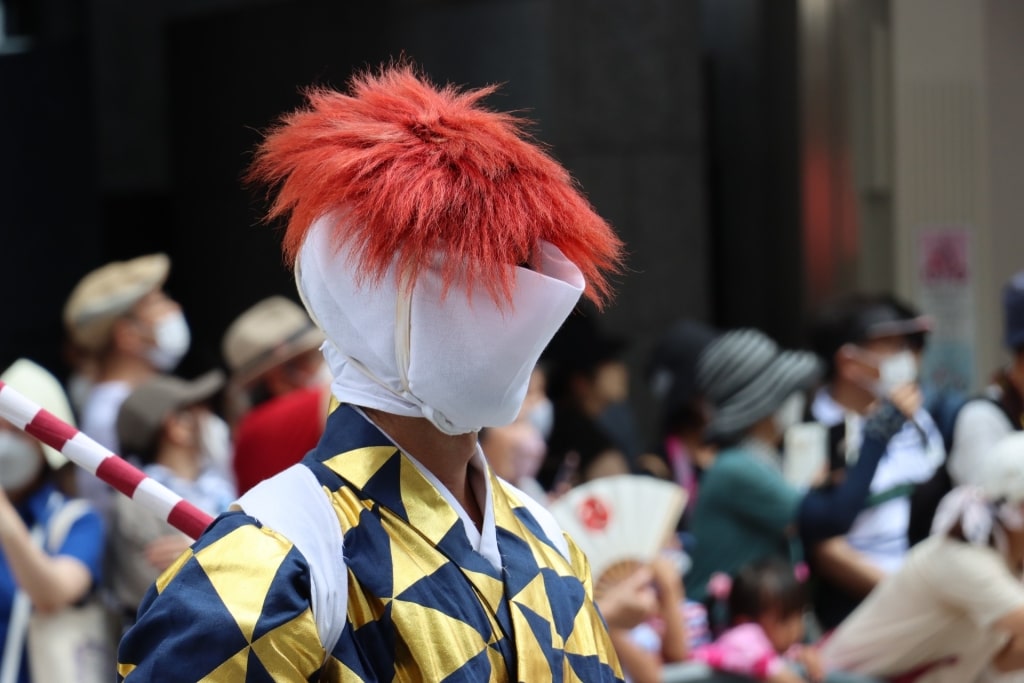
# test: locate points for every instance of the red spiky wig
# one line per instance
(418, 169)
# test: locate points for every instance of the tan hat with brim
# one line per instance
(107, 293)
(270, 333)
(43, 388)
(143, 413)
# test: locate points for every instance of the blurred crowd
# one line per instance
(843, 521)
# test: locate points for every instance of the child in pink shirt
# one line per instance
(766, 610)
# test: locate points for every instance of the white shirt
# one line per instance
(99, 422)
(941, 603)
(979, 426)
(880, 533)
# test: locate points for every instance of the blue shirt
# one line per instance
(84, 542)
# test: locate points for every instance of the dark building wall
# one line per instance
(650, 103)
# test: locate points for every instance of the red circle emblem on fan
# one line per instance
(594, 514)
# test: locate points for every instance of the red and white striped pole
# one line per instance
(112, 469)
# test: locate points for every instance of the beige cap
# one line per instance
(43, 388)
(270, 333)
(142, 414)
(107, 293)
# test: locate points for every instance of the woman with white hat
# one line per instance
(51, 550)
(956, 606)
(746, 510)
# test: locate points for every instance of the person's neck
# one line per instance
(1015, 540)
(180, 460)
(851, 397)
(122, 367)
(446, 457)
(764, 433)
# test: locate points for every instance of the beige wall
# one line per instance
(1004, 22)
(958, 150)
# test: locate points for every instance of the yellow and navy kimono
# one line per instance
(422, 604)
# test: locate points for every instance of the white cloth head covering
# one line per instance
(999, 497)
(452, 357)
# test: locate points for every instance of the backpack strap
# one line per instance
(60, 523)
(295, 505)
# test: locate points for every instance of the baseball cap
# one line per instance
(143, 413)
(1013, 311)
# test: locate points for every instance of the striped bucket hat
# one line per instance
(746, 377)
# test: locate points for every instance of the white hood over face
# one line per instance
(457, 360)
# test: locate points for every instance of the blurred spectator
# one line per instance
(682, 453)
(766, 611)
(160, 423)
(868, 346)
(120, 315)
(984, 421)
(645, 647)
(279, 388)
(52, 552)
(956, 605)
(746, 510)
(271, 349)
(587, 376)
(515, 451)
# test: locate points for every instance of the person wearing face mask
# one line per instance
(955, 607)
(279, 389)
(746, 510)
(439, 250)
(867, 343)
(51, 547)
(120, 316)
(160, 424)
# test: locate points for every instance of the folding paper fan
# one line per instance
(620, 521)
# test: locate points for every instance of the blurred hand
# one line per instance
(630, 601)
(667, 580)
(162, 552)
(811, 661)
(907, 399)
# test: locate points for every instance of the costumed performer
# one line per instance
(439, 250)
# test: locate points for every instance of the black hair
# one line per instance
(768, 584)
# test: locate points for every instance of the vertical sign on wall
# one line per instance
(946, 294)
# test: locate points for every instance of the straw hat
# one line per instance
(40, 386)
(270, 333)
(107, 293)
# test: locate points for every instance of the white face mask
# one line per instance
(542, 417)
(448, 355)
(215, 441)
(20, 461)
(895, 371)
(171, 341)
(790, 413)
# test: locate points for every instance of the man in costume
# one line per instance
(439, 251)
